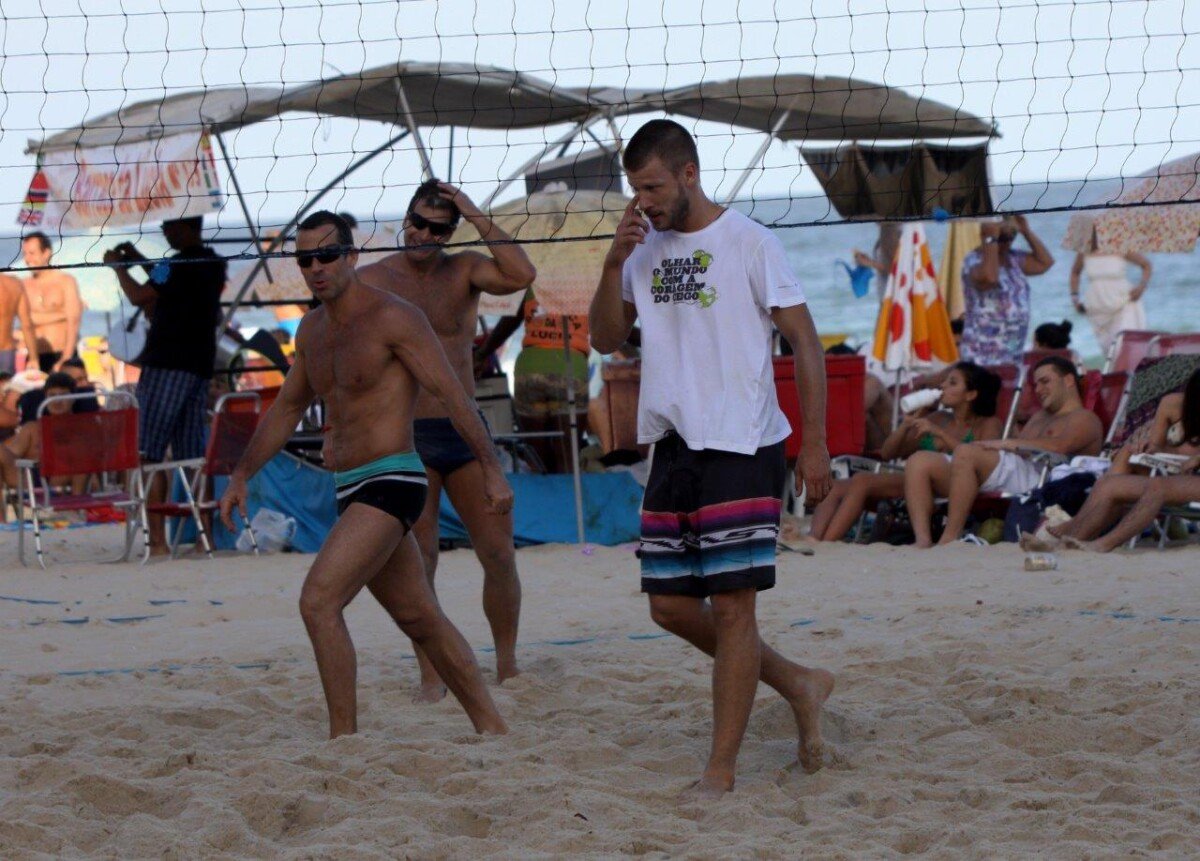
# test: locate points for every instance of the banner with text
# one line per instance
(122, 185)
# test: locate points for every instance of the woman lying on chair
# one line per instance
(1099, 525)
(1175, 429)
(968, 413)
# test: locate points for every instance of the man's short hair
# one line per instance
(59, 380)
(74, 362)
(429, 194)
(193, 222)
(1064, 367)
(42, 239)
(665, 140)
(325, 218)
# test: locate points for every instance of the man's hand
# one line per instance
(989, 230)
(458, 197)
(112, 256)
(630, 233)
(496, 491)
(234, 496)
(1021, 223)
(812, 472)
(996, 444)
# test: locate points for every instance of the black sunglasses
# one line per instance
(435, 228)
(325, 254)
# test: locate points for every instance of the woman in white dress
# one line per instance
(1111, 302)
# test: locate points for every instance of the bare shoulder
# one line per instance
(381, 274)
(386, 309)
(309, 323)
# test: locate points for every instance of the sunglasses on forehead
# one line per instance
(435, 228)
(325, 254)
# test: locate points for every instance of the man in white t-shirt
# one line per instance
(708, 284)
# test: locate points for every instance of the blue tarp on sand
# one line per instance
(543, 513)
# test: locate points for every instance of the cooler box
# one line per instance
(845, 418)
(622, 380)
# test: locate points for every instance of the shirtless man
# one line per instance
(54, 302)
(14, 307)
(1063, 425)
(367, 354)
(447, 287)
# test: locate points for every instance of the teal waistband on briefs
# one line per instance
(404, 462)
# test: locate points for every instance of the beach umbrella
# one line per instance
(913, 328)
(962, 238)
(1147, 216)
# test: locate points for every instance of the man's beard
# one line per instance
(679, 212)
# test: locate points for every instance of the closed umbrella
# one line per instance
(913, 329)
(1145, 217)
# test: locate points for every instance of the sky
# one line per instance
(1078, 89)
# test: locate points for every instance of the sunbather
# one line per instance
(969, 395)
(1100, 526)
(1063, 426)
(1175, 429)
(26, 443)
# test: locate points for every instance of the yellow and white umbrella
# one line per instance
(913, 330)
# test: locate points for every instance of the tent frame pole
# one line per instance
(411, 122)
(237, 190)
(574, 425)
(762, 151)
(579, 128)
(278, 241)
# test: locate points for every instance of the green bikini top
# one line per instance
(928, 443)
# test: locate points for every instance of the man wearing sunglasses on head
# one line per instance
(369, 355)
(447, 286)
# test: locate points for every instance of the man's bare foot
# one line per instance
(1072, 543)
(430, 692)
(707, 789)
(506, 670)
(1041, 542)
(812, 689)
(923, 545)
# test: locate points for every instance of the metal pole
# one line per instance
(298, 217)
(762, 151)
(578, 479)
(450, 158)
(237, 190)
(426, 167)
(575, 129)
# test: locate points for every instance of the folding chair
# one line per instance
(1163, 464)
(235, 418)
(1168, 344)
(1105, 396)
(92, 444)
(1128, 349)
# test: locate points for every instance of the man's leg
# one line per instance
(804, 688)
(1103, 506)
(736, 667)
(492, 537)
(426, 533)
(350, 558)
(407, 595)
(969, 469)
(1159, 492)
(926, 473)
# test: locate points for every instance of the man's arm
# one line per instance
(73, 310)
(496, 338)
(611, 318)
(274, 430)
(28, 329)
(140, 295)
(812, 466)
(414, 343)
(509, 268)
(1077, 432)
(1041, 259)
(985, 275)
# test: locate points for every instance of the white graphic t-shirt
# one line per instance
(704, 300)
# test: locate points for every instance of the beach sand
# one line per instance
(982, 711)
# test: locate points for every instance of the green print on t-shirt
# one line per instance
(681, 279)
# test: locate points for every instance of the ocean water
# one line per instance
(1172, 301)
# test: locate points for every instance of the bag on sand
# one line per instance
(273, 530)
(1025, 513)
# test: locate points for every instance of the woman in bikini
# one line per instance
(967, 413)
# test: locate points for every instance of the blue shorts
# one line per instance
(171, 412)
(440, 446)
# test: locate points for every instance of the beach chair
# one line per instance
(1026, 402)
(1165, 464)
(84, 444)
(1185, 343)
(1128, 349)
(1105, 395)
(235, 418)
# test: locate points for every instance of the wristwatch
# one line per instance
(990, 240)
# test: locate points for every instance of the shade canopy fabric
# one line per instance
(1134, 226)
(196, 111)
(903, 181)
(796, 107)
(480, 96)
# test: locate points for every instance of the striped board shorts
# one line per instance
(172, 407)
(710, 519)
(396, 484)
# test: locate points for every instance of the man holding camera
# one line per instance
(182, 300)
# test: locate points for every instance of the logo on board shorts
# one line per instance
(684, 280)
